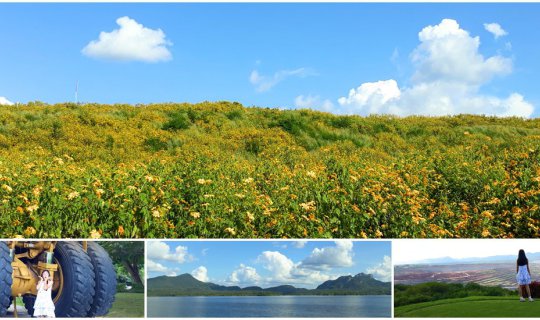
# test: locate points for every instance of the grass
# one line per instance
(485, 307)
(127, 305)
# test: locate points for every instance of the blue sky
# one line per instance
(397, 58)
(269, 263)
(407, 251)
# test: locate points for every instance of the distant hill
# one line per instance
(535, 256)
(356, 282)
(187, 285)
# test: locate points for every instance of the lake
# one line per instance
(270, 306)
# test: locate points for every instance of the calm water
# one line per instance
(274, 306)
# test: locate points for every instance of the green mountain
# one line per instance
(356, 282)
(187, 285)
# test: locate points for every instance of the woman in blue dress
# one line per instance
(523, 275)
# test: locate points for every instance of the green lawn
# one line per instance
(486, 307)
(127, 305)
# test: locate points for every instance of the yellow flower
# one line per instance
(487, 214)
(311, 174)
(250, 216)
(30, 231)
(32, 208)
(231, 231)
(208, 196)
(195, 214)
(308, 206)
(248, 180)
(240, 195)
(156, 213)
(7, 188)
(378, 233)
(73, 195)
(150, 178)
(95, 234)
(99, 192)
(486, 233)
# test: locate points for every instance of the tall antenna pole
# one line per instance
(77, 92)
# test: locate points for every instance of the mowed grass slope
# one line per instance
(220, 170)
(485, 307)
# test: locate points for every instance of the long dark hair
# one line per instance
(522, 258)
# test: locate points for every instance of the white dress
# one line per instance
(44, 306)
(523, 277)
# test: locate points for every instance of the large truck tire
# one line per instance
(105, 279)
(5, 279)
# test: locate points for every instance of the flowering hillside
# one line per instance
(219, 170)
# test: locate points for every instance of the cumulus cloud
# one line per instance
(244, 276)
(159, 250)
(131, 42)
(383, 270)
(264, 83)
(495, 29)
(313, 102)
(200, 273)
(449, 72)
(155, 267)
(283, 270)
(341, 255)
(371, 97)
(4, 101)
(278, 264)
(299, 244)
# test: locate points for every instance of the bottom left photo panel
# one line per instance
(69, 278)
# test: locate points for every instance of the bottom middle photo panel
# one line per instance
(259, 278)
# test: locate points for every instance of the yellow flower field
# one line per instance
(220, 170)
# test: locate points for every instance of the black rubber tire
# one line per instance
(5, 279)
(78, 289)
(105, 277)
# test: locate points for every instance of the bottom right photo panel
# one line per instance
(466, 278)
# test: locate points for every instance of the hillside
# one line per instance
(220, 170)
(484, 273)
(187, 285)
(434, 291)
(477, 307)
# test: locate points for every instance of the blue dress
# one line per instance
(523, 277)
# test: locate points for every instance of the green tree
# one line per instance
(129, 254)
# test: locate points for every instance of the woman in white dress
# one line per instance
(523, 275)
(44, 306)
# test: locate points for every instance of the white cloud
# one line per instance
(200, 273)
(5, 101)
(299, 244)
(495, 29)
(159, 250)
(131, 42)
(284, 270)
(370, 97)
(264, 83)
(244, 276)
(155, 267)
(383, 270)
(313, 102)
(278, 264)
(330, 257)
(449, 74)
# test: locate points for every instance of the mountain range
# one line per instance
(186, 285)
(492, 259)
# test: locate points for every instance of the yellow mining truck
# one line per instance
(84, 279)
